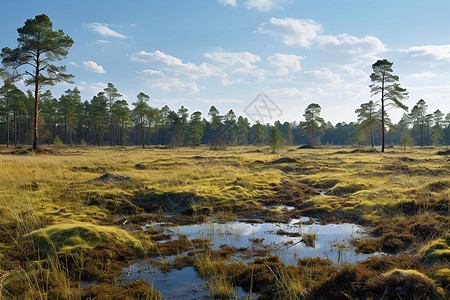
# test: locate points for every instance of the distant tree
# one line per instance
(406, 141)
(403, 124)
(86, 123)
(22, 113)
(230, 127)
(139, 111)
(165, 121)
(155, 121)
(286, 130)
(175, 128)
(418, 116)
(10, 100)
(112, 94)
(183, 115)
(438, 134)
(446, 125)
(438, 118)
(386, 84)
(69, 107)
(428, 126)
(197, 127)
(99, 113)
(258, 133)
(49, 111)
(242, 127)
(121, 114)
(57, 143)
(313, 122)
(215, 122)
(368, 119)
(276, 140)
(38, 47)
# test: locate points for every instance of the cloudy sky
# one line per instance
(225, 52)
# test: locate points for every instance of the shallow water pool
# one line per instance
(332, 241)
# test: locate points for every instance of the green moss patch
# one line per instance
(438, 249)
(66, 236)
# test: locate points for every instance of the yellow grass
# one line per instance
(57, 199)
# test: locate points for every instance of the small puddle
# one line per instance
(176, 284)
(332, 241)
(280, 207)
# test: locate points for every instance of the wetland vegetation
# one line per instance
(83, 223)
(218, 207)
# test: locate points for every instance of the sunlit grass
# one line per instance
(58, 199)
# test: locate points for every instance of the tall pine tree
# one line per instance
(386, 84)
(39, 46)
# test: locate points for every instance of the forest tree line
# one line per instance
(108, 120)
(40, 118)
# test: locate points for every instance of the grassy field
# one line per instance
(73, 214)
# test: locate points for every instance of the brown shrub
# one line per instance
(139, 289)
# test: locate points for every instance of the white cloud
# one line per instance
(341, 48)
(285, 63)
(173, 64)
(72, 63)
(92, 88)
(283, 93)
(435, 53)
(294, 32)
(423, 75)
(234, 62)
(232, 3)
(264, 5)
(345, 48)
(324, 77)
(93, 67)
(226, 81)
(153, 74)
(103, 42)
(433, 88)
(104, 30)
(157, 79)
(186, 101)
(313, 94)
(354, 74)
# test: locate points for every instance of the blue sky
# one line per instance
(225, 52)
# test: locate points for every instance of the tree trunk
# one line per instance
(7, 129)
(15, 129)
(382, 115)
(36, 95)
(70, 135)
(421, 134)
(111, 126)
(66, 131)
(35, 120)
(143, 136)
(371, 137)
(102, 132)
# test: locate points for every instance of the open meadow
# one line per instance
(79, 223)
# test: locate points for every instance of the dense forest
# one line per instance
(108, 120)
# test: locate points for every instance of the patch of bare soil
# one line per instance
(110, 177)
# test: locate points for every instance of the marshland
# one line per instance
(257, 149)
(127, 222)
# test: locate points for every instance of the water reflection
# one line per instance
(331, 241)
